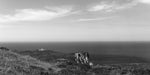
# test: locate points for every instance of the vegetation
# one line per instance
(14, 64)
(44, 63)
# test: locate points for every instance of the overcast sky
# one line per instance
(74, 20)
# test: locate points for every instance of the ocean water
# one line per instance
(139, 49)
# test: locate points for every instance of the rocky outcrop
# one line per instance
(4, 48)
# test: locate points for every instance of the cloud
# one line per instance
(112, 6)
(95, 19)
(100, 7)
(107, 6)
(34, 14)
(144, 1)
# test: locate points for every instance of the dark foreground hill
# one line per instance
(109, 64)
(15, 64)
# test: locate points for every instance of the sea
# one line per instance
(140, 49)
(105, 52)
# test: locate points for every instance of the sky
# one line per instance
(74, 20)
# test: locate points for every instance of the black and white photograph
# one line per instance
(74, 37)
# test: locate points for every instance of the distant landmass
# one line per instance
(49, 55)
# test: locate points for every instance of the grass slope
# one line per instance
(47, 55)
(15, 64)
(124, 65)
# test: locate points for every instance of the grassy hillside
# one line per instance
(124, 65)
(14, 64)
(47, 55)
